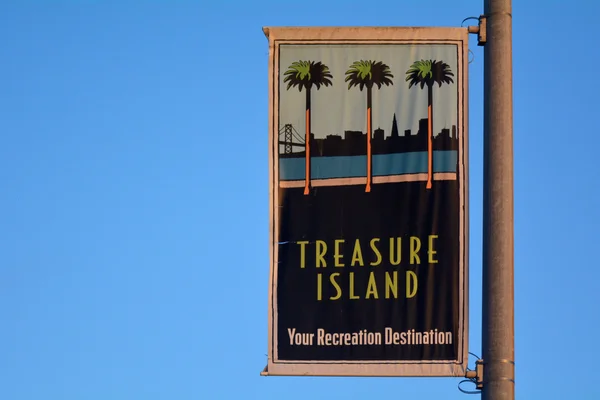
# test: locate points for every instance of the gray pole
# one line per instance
(498, 254)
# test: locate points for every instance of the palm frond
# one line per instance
(381, 74)
(368, 73)
(305, 74)
(428, 72)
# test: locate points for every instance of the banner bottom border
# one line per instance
(448, 369)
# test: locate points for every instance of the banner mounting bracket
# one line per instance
(480, 30)
(476, 376)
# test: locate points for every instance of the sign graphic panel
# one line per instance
(368, 199)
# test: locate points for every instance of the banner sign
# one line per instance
(368, 201)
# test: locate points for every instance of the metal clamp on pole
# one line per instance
(475, 377)
(479, 374)
(480, 30)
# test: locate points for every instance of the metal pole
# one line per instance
(498, 237)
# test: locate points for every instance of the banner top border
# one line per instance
(365, 33)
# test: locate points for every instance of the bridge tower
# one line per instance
(287, 138)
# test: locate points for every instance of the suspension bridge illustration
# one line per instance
(290, 134)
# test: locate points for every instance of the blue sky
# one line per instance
(134, 202)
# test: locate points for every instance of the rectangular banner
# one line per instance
(368, 201)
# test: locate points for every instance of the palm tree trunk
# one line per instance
(307, 145)
(429, 136)
(369, 107)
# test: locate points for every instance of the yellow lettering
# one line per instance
(352, 296)
(415, 246)
(391, 285)
(319, 287)
(337, 255)
(338, 289)
(395, 259)
(430, 251)
(357, 254)
(302, 253)
(409, 293)
(376, 251)
(372, 287)
(320, 253)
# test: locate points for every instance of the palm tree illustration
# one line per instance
(305, 75)
(366, 74)
(428, 73)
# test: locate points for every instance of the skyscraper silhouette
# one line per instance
(394, 127)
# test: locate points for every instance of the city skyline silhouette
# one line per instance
(353, 143)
